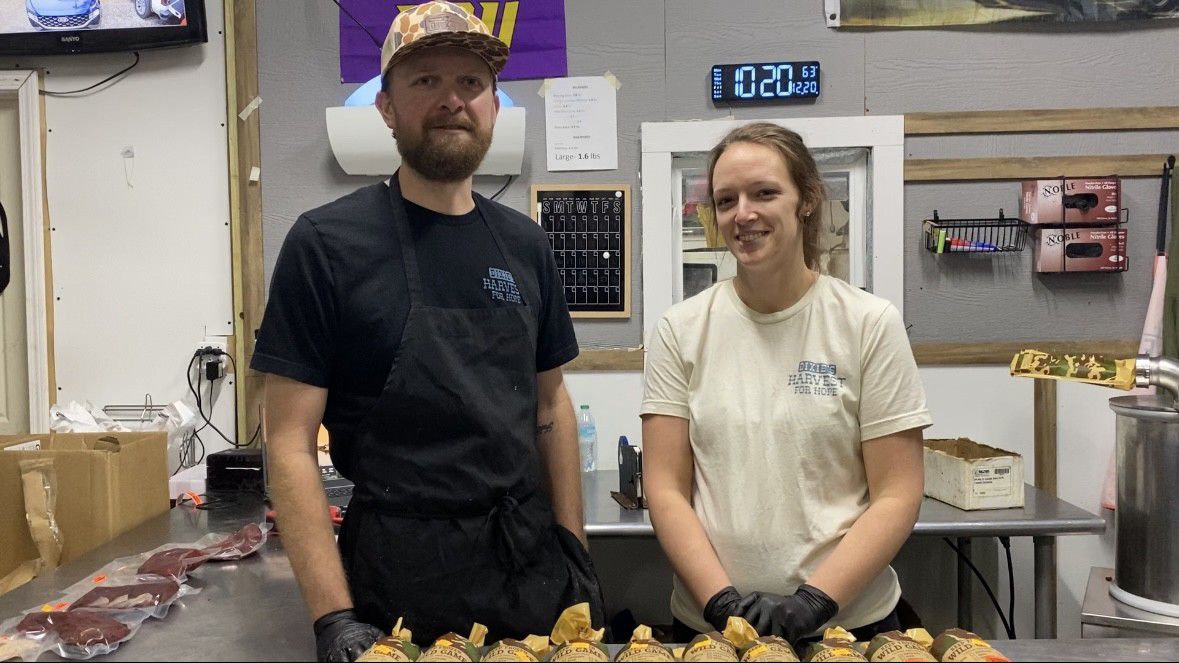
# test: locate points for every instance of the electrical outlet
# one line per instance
(216, 344)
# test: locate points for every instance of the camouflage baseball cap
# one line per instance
(439, 23)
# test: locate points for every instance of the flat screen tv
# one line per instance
(51, 27)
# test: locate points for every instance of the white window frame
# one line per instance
(883, 136)
(23, 85)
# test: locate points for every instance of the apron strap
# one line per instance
(500, 531)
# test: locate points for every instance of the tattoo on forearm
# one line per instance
(544, 429)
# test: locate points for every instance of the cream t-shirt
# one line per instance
(777, 406)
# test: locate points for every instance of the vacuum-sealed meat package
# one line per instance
(16, 645)
(79, 634)
(242, 543)
(174, 563)
(171, 561)
(153, 596)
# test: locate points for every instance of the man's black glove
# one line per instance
(722, 606)
(340, 637)
(791, 617)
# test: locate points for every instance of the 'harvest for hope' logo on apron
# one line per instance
(501, 286)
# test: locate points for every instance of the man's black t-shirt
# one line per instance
(339, 299)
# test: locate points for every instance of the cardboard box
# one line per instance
(107, 484)
(971, 476)
(1080, 250)
(1093, 201)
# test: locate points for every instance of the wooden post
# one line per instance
(1045, 435)
(245, 197)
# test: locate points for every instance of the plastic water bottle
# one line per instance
(587, 439)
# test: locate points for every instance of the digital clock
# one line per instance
(765, 81)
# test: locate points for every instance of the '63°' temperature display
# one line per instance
(765, 81)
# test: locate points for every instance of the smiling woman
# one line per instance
(765, 188)
(803, 371)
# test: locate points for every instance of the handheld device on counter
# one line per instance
(630, 476)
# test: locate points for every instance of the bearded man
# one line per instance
(425, 327)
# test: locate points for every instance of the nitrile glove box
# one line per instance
(1092, 201)
(1080, 250)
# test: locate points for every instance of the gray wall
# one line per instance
(661, 52)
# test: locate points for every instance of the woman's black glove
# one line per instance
(722, 606)
(791, 617)
(340, 637)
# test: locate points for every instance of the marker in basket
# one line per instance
(959, 244)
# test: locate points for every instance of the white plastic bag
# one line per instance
(179, 420)
(82, 418)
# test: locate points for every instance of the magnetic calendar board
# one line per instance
(589, 231)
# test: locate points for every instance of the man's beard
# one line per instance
(444, 158)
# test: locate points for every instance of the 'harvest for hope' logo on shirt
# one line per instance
(501, 286)
(816, 379)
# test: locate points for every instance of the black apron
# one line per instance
(449, 523)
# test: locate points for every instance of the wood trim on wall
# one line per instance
(1030, 168)
(47, 229)
(620, 359)
(1043, 120)
(1044, 418)
(952, 354)
(927, 354)
(245, 196)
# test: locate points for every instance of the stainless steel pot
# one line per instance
(1147, 517)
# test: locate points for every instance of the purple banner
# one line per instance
(534, 30)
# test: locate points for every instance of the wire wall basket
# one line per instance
(996, 235)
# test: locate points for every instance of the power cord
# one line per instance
(196, 392)
(503, 188)
(108, 79)
(258, 429)
(357, 22)
(1006, 541)
(1007, 625)
(188, 457)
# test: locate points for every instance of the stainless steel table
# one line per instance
(1101, 610)
(1090, 650)
(252, 610)
(246, 610)
(1043, 517)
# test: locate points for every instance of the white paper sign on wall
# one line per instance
(581, 123)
